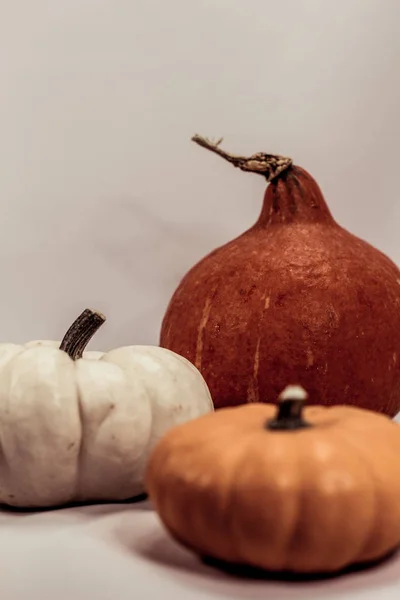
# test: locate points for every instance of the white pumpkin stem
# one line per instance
(81, 332)
(268, 165)
(289, 415)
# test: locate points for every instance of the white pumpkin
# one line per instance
(81, 430)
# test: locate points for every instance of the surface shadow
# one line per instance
(239, 581)
(140, 502)
(247, 572)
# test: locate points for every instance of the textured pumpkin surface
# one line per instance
(295, 298)
(313, 500)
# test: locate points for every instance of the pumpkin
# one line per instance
(286, 489)
(78, 427)
(296, 296)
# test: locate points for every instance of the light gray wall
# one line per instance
(104, 200)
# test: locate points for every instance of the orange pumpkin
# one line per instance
(304, 490)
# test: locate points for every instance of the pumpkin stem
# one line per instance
(269, 165)
(81, 332)
(289, 415)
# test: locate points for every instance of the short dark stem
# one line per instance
(268, 165)
(289, 415)
(81, 332)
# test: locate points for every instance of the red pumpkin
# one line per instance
(294, 298)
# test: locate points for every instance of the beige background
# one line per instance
(106, 203)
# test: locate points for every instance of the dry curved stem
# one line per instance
(268, 165)
(81, 332)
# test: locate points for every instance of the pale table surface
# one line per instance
(121, 552)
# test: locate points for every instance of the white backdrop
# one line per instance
(104, 200)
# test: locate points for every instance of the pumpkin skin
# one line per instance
(294, 298)
(81, 430)
(309, 500)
